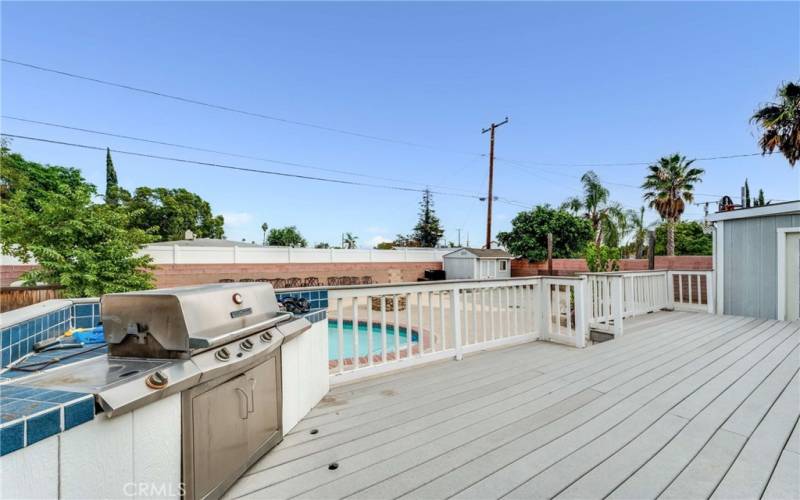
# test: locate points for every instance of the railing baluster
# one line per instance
(370, 343)
(421, 332)
(340, 331)
(396, 328)
(474, 316)
(356, 347)
(442, 321)
(483, 313)
(491, 310)
(430, 322)
(383, 328)
(409, 331)
(462, 309)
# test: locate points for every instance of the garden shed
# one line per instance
(477, 263)
(757, 261)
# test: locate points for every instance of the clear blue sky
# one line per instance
(581, 82)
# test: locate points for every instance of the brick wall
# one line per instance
(521, 267)
(170, 275)
(10, 274)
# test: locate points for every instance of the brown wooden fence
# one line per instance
(14, 297)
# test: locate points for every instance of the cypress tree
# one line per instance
(428, 230)
(746, 201)
(112, 186)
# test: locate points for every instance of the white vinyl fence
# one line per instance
(386, 327)
(618, 295)
(181, 254)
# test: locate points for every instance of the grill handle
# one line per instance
(244, 403)
(204, 342)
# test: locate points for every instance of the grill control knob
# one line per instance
(223, 354)
(246, 345)
(266, 337)
(157, 380)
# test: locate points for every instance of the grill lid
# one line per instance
(171, 322)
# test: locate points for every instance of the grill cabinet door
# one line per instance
(219, 418)
(263, 422)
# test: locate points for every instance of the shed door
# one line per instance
(792, 276)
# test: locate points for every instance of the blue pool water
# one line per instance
(363, 339)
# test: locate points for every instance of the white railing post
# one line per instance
(670, 288)
(543, 314)
(581, 318)
(710, 292)
(617, 310)
(455, 319)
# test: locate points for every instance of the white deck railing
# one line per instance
(618, 295)
(386, 327)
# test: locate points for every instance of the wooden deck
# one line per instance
(685, 405)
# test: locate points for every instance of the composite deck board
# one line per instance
(273, 473)
(683, 406)
(556, 379)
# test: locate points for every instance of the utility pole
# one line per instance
(459, 236)
(489, 199)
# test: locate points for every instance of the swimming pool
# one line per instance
(363, 339)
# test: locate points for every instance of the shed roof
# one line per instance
(788, 207)
(484, 253)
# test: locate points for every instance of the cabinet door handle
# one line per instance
(243, 408)
(252, 399)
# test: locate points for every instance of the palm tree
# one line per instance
(600, 212)
(349, 241)
(636, 221)
(780, 122)
(668, 188)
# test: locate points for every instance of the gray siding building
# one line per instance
(477, 263)
(757, 261)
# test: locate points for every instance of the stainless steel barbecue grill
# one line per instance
(219, 346)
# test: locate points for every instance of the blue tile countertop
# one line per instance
(47, 360)
(315, 315)
(30, 414)
(317, 299)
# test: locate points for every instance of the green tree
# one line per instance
(597, 209)
(601, 258)
(384, 245)
(639, 231)
(113, 191)
(428, 230)
(528, 235)
(47, 215)
(669, 186)
(349, 241)
(287, 236)
(169, 213)
(746, 202)
(322, 244)
(760, 201)
(689, 239)
(780, 123)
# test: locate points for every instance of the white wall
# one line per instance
(457, 267)
(174, 254)
(305, 376)
(138, 452)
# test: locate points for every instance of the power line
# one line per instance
(337, 130)
(234, 167)
(620, 184)
(225, 153)
(229, 109)
(633, 163)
